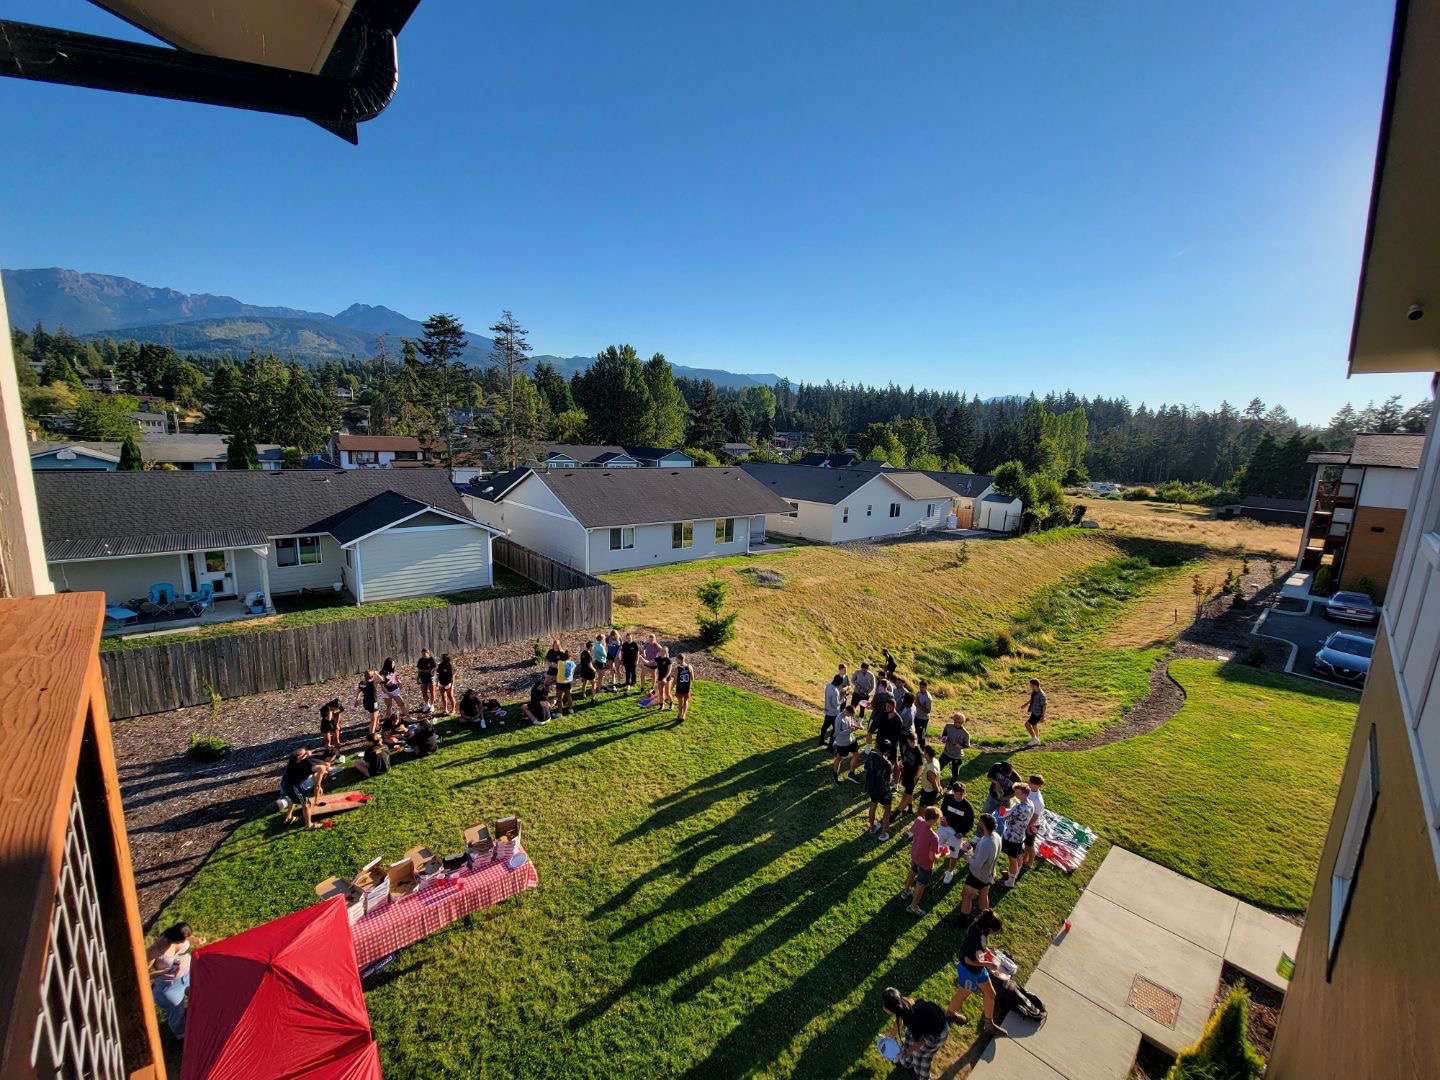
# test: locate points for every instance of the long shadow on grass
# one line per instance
(572, 747)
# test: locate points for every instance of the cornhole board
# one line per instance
(330, 805)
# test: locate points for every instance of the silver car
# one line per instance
(1352, 607)
(1345, 657)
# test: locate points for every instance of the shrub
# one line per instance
(1256, 656)
(539, 652)
(703, 458)
(1368, 587)
(712, 594)
(1224, 1051)
(1238, 599)
(1323, 581)
(716, 630)
(1139, 494)
(1274, 568)
(207, 748)
(1077, 513)
(1003, 645)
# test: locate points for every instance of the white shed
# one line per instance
(998, 513)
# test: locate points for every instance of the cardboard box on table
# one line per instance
(374, 882)
(479, 848)
(348, 891)
(427, 864)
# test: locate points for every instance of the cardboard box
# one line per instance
(427, 864)
(354, 897)
(507, 828)
(403, 878)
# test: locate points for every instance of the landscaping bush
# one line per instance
(1194, 491)
(1256, 656)
(716, 630)
(1224, 1051)
(539, 652)
(1323, 582)
(207, 748)
(1138, 494)
(1368, 587)
(1003, 645)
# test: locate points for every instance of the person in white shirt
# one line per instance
(846, 745)
(1037, 819)
(834, 700)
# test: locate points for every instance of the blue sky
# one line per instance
(1158, 200)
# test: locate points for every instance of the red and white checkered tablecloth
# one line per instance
(437, 904)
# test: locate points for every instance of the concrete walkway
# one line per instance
(1142, 958)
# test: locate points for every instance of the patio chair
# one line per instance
(201, 599)
(255, 602)
(160, 600)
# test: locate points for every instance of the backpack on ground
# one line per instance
(1010, 997)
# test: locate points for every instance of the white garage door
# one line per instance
(420, 562)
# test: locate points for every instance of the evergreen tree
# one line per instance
(667, 404)
(707, 429)
(1416, 418)
(509, 357)
(737, 422)
(130, 457)
(240, 452)
(553, 388)
(306, 415)
(442, 342)
(614, 393)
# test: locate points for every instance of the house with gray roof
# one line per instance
(249, 536)
(835, 505)
(186, 452)
(598, 520)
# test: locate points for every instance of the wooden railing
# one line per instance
(82, 1007)
(171, 676)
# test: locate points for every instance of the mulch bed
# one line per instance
(1265, 1005)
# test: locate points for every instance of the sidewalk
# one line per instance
(1142, 958)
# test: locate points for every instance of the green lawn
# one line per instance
(709, 904)
(315, 608)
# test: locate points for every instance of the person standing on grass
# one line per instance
(886, 731)
(168, 960)
(661, 695)
(585, 674)
(1037, 819)
(980, 869)
(330, 722)
(684, 684)
(564, 682)
(390, 688)
(649, 653)
(957, 819)
(1003, 778)
(425, 677)
(368, 694)
(300, 784)
(844, 673)
(954, 739)
(1035, 712)
(880, 787)
(889, 664)
(612, 657)
(972, 973)
(601, 659)
(884, 694)
(552, 660)
(1017, 825)
(629, 660)
(907, 713)
(923, 704)
(924, 847)
(845, 744)
(921, 1028)
(834, 699)
(911, 759)
(864, 687)
(445, 677)
(929, 777)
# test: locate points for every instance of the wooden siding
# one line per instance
(165, 677)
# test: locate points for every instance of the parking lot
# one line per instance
(1308, 633)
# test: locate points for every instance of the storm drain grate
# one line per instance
(1154, 1001)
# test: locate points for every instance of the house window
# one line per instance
(894, 510)
(869, 510)
(844, 515)
(362, 457)
(682, 534)
(794, 509)
(724, 530)
(622, 539)
(297, 551)
(929, 509)
(1352, 844)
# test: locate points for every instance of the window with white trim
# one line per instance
(297, 551)
(622, 539)
(894, 510)
(682, 534)
(844, 515)
(724, 530)
(929, 509)
(1352, 843)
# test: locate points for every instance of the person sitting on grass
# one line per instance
(972, 973)
(377, 758)
(425, 679)
(880, 787)
(980, 870)
(445, 679)
(330, 722)
(846, 746)
(422, 739)
(537, 709)
(955, 738)
(921, 1028)
(472, 710)
(958, 818)
(924, 846)
(684, 680)
(300, 784)
(395, 732)
(1017, 825)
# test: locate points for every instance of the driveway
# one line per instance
(1308, 633)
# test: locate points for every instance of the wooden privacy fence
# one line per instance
(164, 677)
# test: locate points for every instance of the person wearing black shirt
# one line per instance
(425, 676)
(880, 787)
(422, 738)
(377, 757)
(958, 818)
(585, 679)
(629, 660)
(684, 683)
(368, 694)
(889, 664)
(330, 722)
(471, 709)
(972, 973)
(921, 1028)
(300, 783)
(661, 696)
(536, 708)
(910, 761)
(886, 730)
(1003, 778)
(445, 678)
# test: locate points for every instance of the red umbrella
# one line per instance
(281, 1001)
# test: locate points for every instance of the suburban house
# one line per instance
(1361, 1000)
(187, 453)
(598, 520)
(846, 459)
(659, 457)
(574, 456)
(1271, 510)
(376, 451)
(835, 505)
(1357, 506)
(737, 451)
(151, 423)
(373, 535)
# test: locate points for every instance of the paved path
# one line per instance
(1137, 923)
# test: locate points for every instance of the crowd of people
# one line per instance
(877, 727)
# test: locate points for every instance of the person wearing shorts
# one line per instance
(564, 680)
(390, 688)
(957, 818)
(929, 777)
(684, 683)
(601, 658)
(954, 739)
(330, 722)
(846, 745)
(924, 847)
(629, 660)
(980, 871)
(585, 675)
(649, 653)
(880, 787)
(972, 972)
(864, 686)
(1037, 818)
(445, 678)
(1017, 824)
(1035, 710)
(425, 677)
(368, 694)
(661, 695)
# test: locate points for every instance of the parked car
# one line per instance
(1345, 656)
(1352, 607)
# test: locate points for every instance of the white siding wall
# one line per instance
(534, 518)
(653, 546)
(119, 579)
(813, 521)
(878, 494)
(248, 578)
(1392, 488)
(321, 575)
(421, 562)
(998, 517)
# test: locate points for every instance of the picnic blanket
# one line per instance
(1063, 842)
(438, 903)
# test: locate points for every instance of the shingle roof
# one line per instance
(1388, 451)
(918, 485)
(653, 453)
(109, 451)
(601, 498)
(1328, 457)
(834, 461)
(807, 483)
(377, 442)
(1267, 502)
(581, 454)
(180, 449)
(90, 515)
(493, 488)
(966, 485)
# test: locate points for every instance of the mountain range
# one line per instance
(102, 305)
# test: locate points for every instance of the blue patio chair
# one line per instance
(200, 600)
(161, 598)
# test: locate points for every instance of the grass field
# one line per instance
(709, 904)
(1193, 524)
(313, 610)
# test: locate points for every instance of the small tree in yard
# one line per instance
(130, 458)
(715, 628)
(1224, 1051)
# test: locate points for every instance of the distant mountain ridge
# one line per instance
(103, 305)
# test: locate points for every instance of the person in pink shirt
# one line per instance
(924, 847)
